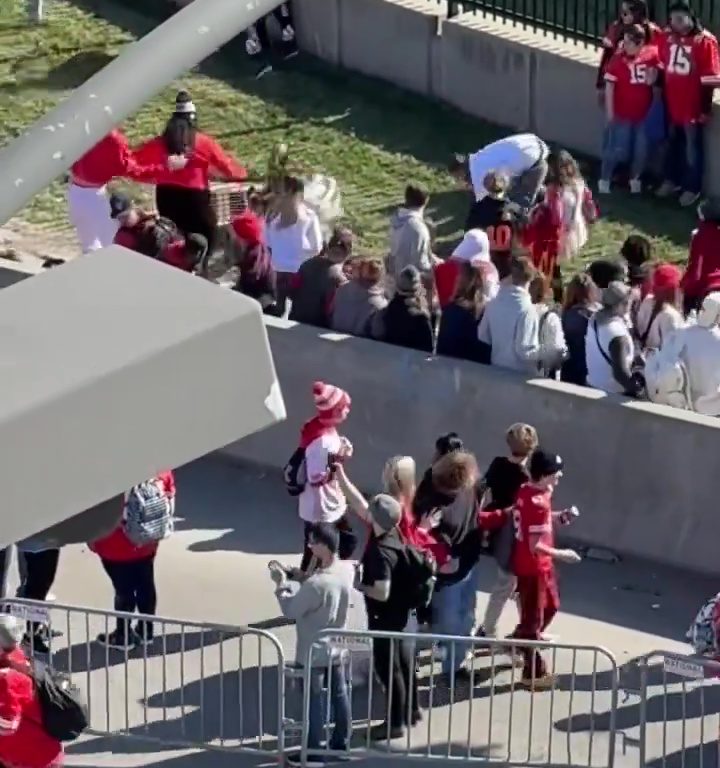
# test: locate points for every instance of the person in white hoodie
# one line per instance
(510, 323)
(410, 241)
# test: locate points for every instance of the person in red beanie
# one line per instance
(321, 499)
(87, 199)
(257, 276)
(184, 196)
(132, 572)
(702, 274)
(659, 313)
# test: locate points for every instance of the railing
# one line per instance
(488, 714)
(584, 20)
(211, 686)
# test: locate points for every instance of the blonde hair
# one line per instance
(522, 439)
(398, 476)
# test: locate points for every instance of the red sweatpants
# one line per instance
(539, 602)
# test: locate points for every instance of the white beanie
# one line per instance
(709, 315)
(475, 246)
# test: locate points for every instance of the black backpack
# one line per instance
(295, 473)
(421, 577)
(64, 713)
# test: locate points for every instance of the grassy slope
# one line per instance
(389, 136)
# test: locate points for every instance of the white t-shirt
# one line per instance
(321, 501)
(663, 324)
(600, 375)
(290, 246)
(513, 155)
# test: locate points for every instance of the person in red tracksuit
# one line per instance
(533, 559)
(184, 196)
(132, 572)
(702, 274)
(87, 200)
(690, 70)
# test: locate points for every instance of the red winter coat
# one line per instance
(702, 273)
(117, 548)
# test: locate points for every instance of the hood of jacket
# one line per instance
(403, 216)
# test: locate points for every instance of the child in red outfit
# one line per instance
(533, 561)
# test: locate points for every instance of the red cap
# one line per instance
(248, 226)
(666, 277)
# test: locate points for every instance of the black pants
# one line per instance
(398, 665)
(284, 17)
(41, 571)
(134, 585)
(190, 209)
(348, 541)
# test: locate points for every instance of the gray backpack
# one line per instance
(148, 515)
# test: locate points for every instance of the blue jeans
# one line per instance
(335, 676)
(453, 610)
(685, 156)
(624, 143)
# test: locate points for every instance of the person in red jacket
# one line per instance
(690, 67)
(184, 196)
(87, 200)
(132, 572)
(24, 743)
(702, 274)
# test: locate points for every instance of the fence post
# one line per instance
(452, 8)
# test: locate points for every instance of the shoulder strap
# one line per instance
(644, 336)
(599, 345)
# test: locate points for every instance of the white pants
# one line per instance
(501, 592)
(89, 211)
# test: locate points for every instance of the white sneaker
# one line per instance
(635, 186)
(604, 187)
(252, 46)
(288, 34)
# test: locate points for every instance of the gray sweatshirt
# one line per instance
(510, 326)
(322, 601)
(409, 242)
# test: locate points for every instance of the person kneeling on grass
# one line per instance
(533, 562)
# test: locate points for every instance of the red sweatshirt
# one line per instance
(207, 159)
(702, 273)
(113, 157)
(117, 548)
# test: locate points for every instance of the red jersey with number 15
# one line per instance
(689, 62)
(532, 516)
(632, 78)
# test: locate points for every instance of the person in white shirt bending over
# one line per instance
(523, 157)
(293, 235)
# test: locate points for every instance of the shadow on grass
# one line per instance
(67, 75)
(382, 115)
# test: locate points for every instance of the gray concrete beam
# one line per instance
(35, 159)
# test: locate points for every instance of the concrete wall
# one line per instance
(491, 69)
(643, 476)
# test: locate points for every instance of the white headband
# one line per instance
(185, 108)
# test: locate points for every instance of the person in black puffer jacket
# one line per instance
(405, 321)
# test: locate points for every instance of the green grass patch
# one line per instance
(386, 138)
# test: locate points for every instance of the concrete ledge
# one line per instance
(642, 475)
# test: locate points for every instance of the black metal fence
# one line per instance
(584, 20)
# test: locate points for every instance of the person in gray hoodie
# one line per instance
(321, 601)
(510, 324)
(410, 241)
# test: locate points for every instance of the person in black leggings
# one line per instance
(42, 565)
(257, 41)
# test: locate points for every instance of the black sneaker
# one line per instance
(141, 638)
(417, 717)
(36, 644)
(381, 732)
(118, 640)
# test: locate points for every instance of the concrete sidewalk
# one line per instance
(235, 519)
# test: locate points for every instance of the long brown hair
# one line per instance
(469, 290)
(579, 291)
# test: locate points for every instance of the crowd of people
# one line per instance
(413, 553)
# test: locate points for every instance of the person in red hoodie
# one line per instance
(132, 572)
(184, 196)
(87, 199)
(257, 276)
(24, 743)
(702, 274)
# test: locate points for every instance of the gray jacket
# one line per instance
(510, 325)
(322, 601)
(354, 306)
(409, 242)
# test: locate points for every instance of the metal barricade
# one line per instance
(485, 714)
(679, 711)
(212, 686)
